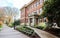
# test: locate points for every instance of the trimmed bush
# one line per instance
(25, 30)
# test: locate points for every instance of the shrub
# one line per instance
(17, 22)
(0, 26)
(25, 30)
(42, 26)
(11, 25)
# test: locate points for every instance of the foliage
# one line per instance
(11, 25)
(0, 26)
(10, 11)
(25, 30)
(42, 26)
(16, 22)
(51, 9)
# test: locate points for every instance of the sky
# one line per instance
(14, 3)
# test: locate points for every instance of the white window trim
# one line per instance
(38, 11)
(41, 10)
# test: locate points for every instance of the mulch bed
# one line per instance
(54, 31)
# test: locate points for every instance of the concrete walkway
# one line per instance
(8, 32)
(43, 34)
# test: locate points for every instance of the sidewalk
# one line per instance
(43, 34)
(8, 32)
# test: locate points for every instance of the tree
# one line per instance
(51, 9)
(16, 23)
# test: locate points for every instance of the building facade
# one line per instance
(23, 15)
(30, 12)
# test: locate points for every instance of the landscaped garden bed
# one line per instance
(54, 31)
(41, 26)
(11, 25)
(27, 31)
(0, 27)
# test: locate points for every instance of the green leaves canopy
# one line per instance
(16, 22)
(51, 10)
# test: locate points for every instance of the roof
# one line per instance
(23, 7)
(27, 4)
(30, 3)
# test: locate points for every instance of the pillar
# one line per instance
(34, 21)
(29, 21)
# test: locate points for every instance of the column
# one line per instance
(29, 21)
(34, 21)
(38, 20)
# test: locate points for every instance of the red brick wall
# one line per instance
(23, 15)
(29, 9)
(34, 8)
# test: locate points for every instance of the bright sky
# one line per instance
(13, 3)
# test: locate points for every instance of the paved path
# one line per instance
(8, 32)
(43, 34)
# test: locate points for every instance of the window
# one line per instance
(41, 10)
(29, 8)
(38, 11)
(35, 12)
(38, 3)
(35, 5)
(41, 1)
(36, 20)
(30, 20)
(32, 6)
(45, 0)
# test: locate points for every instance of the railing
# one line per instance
(34, 13)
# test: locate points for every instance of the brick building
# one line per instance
(30, 12)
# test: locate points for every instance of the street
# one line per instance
(8, 32)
